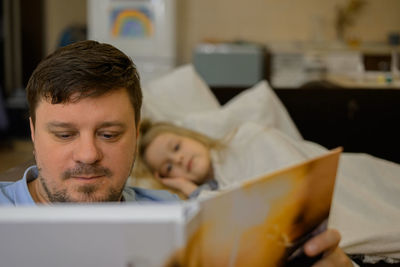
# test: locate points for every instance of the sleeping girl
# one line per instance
(191, 162)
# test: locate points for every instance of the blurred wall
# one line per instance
(60, 14)
(254, 20)
(280, 20)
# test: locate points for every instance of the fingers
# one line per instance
(336, 258)
(181, 184)
(325, 242)
(168, 181)
(157, 176)
(165, 180)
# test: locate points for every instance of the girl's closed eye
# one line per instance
(177, 146)
(167, 170)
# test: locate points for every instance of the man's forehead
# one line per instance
(105, 108)
(77, 98)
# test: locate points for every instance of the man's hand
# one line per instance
(178, 183)
(327, 243)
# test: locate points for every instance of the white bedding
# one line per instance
(183, 98)
(366, 206)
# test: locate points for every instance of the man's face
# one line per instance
(84, 150)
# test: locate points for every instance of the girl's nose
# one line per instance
(178, 158)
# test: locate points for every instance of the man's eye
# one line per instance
(63, 136)
(109, 136)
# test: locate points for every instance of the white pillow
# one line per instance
(258, 104)
(183, 98)
(173, 96)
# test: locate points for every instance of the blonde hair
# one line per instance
(148, 132)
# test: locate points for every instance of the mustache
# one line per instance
(87, 169)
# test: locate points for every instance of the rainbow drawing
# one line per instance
(132, 23)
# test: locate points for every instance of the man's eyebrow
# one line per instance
(112, 124)
(57, 124)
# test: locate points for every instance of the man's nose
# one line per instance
(87, 150)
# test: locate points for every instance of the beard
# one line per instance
(87, 193)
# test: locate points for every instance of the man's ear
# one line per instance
(32, 129)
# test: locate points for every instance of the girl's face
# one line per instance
(172, 155)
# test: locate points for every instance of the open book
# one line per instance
(257, 223)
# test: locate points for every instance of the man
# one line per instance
(84, 104)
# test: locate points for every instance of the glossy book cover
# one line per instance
(263, 221)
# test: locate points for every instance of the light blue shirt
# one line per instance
(17, 193)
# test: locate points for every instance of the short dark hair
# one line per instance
(83, 69)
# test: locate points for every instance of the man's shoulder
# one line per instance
(17, 193)
(141, 194)
(7, 192)
(5, 184)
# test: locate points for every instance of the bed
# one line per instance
(369, 186)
